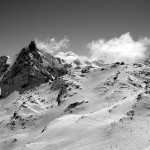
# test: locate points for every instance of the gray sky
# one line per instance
(80, 20)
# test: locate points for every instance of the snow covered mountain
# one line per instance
(43, 106)
(72, 60)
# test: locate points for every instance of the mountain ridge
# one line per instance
(30, 65)
(93, 107)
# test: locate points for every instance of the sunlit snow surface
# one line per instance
(107, 108)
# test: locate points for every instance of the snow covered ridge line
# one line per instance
(97, 109)
(76, 61)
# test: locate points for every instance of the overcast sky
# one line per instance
(81, 21)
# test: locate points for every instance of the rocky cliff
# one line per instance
(31, 68)
(3, 64)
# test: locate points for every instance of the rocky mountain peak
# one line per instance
(30, 69)
(29, 53)
(32, 46)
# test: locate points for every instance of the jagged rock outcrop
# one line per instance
(31, 68)
(3, 64)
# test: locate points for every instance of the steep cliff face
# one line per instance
(3, 64)
(31, 68)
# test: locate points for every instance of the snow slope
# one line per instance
(106, 108)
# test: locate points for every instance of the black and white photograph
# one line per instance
(74, 74)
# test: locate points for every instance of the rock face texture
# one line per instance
(3, 65)
(31, 68)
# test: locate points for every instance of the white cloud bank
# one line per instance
(51, 45)
(123, 48)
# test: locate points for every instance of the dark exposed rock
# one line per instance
(131, 113)
(115, 65)
(60, 85)
(57, 84)
(86, 69)
(31, 68)
(65, 65)
(61, 92)
(14, 140)
(74, 105)
(122, 63)
(3, 65)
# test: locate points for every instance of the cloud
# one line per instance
(123, 48)
(51, 45)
